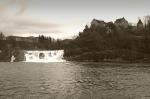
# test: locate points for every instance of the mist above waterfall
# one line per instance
(44, 56)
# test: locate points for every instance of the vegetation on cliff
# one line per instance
(118, 41)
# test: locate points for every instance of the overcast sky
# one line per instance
(64, 18)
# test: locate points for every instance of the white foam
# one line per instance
(44, 56)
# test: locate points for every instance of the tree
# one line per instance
(147, 22)
(2, 36)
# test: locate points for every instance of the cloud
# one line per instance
(2, 8)
(21, 6)
(24, 24)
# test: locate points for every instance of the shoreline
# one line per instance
(108, 61)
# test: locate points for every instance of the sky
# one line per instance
(64, 18)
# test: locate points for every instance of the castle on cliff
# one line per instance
(121, 22)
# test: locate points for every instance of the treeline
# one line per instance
(48, 43)
(111, 42)
(12, 46)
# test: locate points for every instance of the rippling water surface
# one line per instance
(74, 81)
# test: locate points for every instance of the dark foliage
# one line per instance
(110, 43)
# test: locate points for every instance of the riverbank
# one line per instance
(77, 59)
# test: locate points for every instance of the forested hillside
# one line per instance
(108, 41)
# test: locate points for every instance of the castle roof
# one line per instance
(120, 20)
(98, 21)
(140, 22)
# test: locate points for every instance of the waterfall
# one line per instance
(44, 56)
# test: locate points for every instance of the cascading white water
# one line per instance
(44, 56)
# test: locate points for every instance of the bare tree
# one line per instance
(146, 20)
(2, 36)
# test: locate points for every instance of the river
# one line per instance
(74, 80)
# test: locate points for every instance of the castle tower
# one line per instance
(140, 24)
